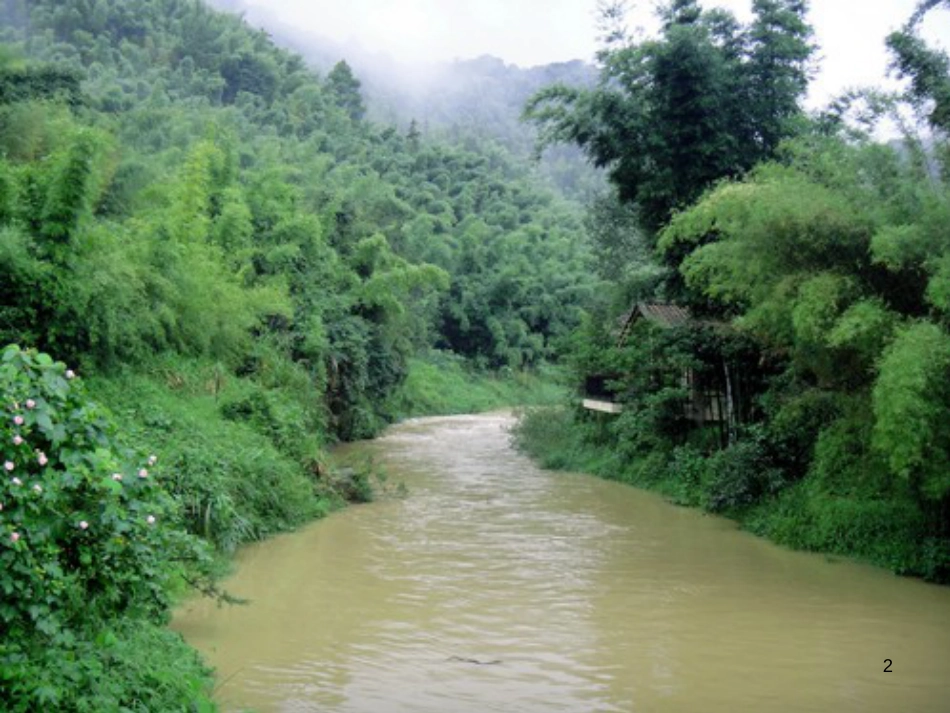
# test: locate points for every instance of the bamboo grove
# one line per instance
(806, 392)
(212, 240)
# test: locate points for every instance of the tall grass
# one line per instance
(441, 383)
(244, 459)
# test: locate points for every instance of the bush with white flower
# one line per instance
(87, 533)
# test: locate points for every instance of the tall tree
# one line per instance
(345, 89)
(779, 50)
(927, 68)
(690, 79)
(671, 115)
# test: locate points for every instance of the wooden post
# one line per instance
(730, 405)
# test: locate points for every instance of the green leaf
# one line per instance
(45, 424)
(111, 485)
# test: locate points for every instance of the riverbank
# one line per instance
(130, 490)
(444, 384)
(245, 458)
(495, 585)
(862, 522)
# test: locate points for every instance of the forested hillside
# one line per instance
(784, 356)
(467, 100)
(218, 260)
(231, 256)
(200, 132)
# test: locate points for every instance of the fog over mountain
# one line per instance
(849, 34)
(481, 97)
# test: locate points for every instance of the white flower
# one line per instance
(30, 403)
(18, 440)
(83, 525)
(38, 488)
(70, 374)
(9, 466)
(117, 476)
(152, 460)
(150, 519)
(143, 473)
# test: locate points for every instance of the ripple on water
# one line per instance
(593, 597)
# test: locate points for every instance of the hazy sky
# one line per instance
(529, 32)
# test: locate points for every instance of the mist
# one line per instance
(408, 40)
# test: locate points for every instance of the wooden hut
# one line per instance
(707, 401)
(598, 396)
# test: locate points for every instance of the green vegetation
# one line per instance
(244, 461)
(807, 394)
(467, 102)
(442, 384)
(91, 548)
(706, 100)
(244, 269)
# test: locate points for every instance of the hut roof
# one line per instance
(662, 315)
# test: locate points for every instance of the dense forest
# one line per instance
(215, 265)
(465, 100)
(780, 280)
(218, 260)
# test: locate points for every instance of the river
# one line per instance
(496, 586)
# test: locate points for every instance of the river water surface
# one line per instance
(495, 586)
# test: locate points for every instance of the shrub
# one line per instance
(845, 463)
(546, 434)
(87, 534)
(685, 472)
(740, 476)
(232, 482)
(888, 532)
(653, 423)
(796, 421)
(282, 420)
(129, 666)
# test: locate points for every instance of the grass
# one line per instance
(442, 384)
(244, 460)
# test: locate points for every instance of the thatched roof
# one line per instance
(662, 315)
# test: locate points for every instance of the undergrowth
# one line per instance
(92, 545)
(813, 513)
(245, 460)
(444, 384)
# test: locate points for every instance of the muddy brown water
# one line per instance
(496, 586)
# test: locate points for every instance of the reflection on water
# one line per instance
(591, 596)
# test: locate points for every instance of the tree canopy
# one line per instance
(705, 100)
(807, 392)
